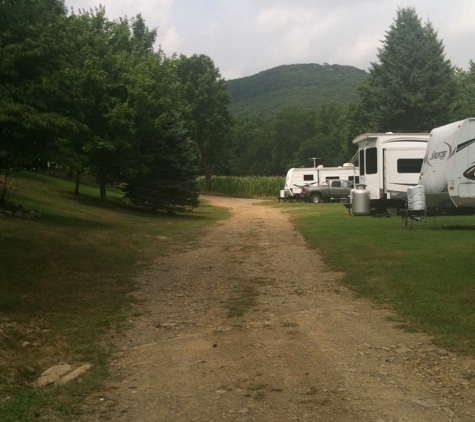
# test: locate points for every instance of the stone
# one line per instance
(423, 403)
(403, 349)
(449, 411)
(52, 374)
(73, 374)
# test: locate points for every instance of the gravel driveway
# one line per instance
(308, 350)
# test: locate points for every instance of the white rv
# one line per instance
(448, 171)
(298, 177)
(390, 163)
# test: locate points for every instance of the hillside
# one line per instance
(306, 85)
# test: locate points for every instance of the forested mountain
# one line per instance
(305, 85)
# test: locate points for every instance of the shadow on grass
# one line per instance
(71, 221)
(456, 228)
(12, 305)
(120, 206)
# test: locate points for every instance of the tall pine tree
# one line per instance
(166, 167)
(412, 87)
(169, 180)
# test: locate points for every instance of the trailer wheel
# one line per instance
(316, 198)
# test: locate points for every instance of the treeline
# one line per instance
(289, 139)
(92, 95)
(412, 88)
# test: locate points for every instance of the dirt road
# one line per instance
(309, 350)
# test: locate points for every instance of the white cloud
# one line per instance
(272, 19)
(170, 40)
(248, 36)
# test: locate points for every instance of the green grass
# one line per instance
(241, 300)
(244, 295)
(64, 285)
(425, 273)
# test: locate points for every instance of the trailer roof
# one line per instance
(366, 136)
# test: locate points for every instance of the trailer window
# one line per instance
(371, 160)
(332, 178)
(409, 165)
(361, 162)
(308, 177)
(355, 179)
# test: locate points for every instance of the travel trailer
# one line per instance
(390, 163)
(448, 170)
(298, 177)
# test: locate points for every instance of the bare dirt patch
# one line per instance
(305, 348)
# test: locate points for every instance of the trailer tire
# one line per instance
(316, 198)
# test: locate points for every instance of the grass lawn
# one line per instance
(425, 273)
(64, 284)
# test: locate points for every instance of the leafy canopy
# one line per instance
(204, 91)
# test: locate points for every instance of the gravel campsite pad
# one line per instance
(308, 349)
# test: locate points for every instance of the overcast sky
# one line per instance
(244, 37)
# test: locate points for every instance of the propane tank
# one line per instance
(359, 200)
(416, 198)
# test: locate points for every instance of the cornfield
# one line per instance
(249, 186)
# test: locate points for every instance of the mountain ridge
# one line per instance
(306, 85)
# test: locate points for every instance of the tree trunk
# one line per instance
(103, 190)
(76, 188)
(3, 187)
(208, 170)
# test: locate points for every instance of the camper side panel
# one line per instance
(461, 182)
(389, 164)
(288, 180)
(437, 164)
(297, 177)
(401, 170)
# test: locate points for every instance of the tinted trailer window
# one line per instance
(371, 160)
(409, 165)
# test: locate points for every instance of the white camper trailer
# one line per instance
(448, 171)
(298, 177)
(390, 163)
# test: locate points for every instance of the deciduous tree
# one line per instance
(31, 54)
(205, 93)
(103, 63)
(290, 127)
(464, 105)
